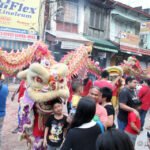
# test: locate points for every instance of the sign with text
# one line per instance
(145, 28)
(130, 40)
(19, 17)
(18, 36)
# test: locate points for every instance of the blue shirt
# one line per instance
(3, 98)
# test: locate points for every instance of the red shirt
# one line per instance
(133, 118)
(70, 90)
(87, 88)
(103, 83)
(22, 89)
(144, 96)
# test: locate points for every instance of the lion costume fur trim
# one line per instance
(44, 97)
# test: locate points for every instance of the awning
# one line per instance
(137, 51)
(103, 45)
(67, 36)
(125, 17)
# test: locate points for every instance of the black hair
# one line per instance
(147, 81)
(85, 112)
(106, 93)
(85, 81)
(141, 82)
(114, 139)
(56, 101)
(129, 79)
(76, 85)
(105, 74)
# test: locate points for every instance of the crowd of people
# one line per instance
(90, 121)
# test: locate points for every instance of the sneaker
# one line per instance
(15, 130)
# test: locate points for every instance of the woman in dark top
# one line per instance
(106, 102)
(83, 131)
(114, 139)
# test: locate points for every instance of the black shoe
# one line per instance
(15, 131)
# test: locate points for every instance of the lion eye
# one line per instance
(38, 79)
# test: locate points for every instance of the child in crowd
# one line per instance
(77, 89)
(55, 126)
(106, 102)
(133, 127)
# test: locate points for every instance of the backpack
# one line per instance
(99, 123)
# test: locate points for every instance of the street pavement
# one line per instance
(11, 141)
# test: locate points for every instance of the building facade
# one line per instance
(65, 32)
(125, 26)
(113, 28)
(96, 29)
(82, 22)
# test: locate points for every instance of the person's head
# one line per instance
(136, 104)
(131, 82)
(95, 93)
(85, 112)
(77, 88)
(114, 140)
(57, 106)
(147, 82)
(106, 94)
(105, 74)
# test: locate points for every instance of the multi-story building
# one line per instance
(81, 22)
(96, 29)
(125, 26)
(65, 31)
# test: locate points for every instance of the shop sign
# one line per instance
(145, 28)
(130, 40)
(19, 19)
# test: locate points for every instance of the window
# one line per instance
(97, 18)
(70, 14)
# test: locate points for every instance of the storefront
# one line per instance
(102, 51)
(60, 43)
